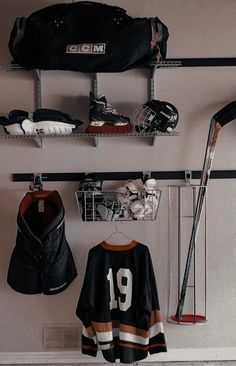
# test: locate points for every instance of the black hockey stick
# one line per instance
(220, 119)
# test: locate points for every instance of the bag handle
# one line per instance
(99, 5)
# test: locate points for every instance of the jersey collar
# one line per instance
(119, 247)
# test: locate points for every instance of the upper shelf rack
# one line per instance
(95, 137)
(168, 63)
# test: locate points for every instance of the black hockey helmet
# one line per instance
(155, 115)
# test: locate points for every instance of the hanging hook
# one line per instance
(146, 175)
(188, 177)
(37, 182)
(116, 226)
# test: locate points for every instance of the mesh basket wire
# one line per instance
(113, 205)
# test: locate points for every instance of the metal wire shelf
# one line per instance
(95, 136)
(89, 135)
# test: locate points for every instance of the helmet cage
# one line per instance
(155, 115)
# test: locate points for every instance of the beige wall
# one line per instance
(198, 28)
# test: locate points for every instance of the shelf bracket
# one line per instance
(152, 83)
(154, 140)
(38, 89)
(96, 141)
(38, 141)
(95, 84)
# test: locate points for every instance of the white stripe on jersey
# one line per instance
(155, 329)
(86, 334)
(104, 346)
(104, 336)
(129, 337)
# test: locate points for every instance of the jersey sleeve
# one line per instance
(84, 310)
(156, 332)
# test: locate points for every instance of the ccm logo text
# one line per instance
(87, 48)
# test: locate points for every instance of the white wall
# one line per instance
(198, 28)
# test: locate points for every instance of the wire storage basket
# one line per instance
(112, 205)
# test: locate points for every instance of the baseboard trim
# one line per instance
(66, 357)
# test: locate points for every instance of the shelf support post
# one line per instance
(96, 141)
(38, 89)
(152, 83)
(95, 84)
(38, 140)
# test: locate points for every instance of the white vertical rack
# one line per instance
(181, 207)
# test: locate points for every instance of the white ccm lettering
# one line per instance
(123, 274)
(99, 48)
(87, 48)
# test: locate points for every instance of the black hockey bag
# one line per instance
(86, 36)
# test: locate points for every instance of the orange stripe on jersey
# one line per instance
(89, 347)
(157, 345)
(145, 348)
(134, 330)
(102, 327)
(155, 317)
(91, 331)
(128, 345)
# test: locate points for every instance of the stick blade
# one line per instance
(226, 114)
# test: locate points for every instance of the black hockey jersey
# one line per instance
(119, 305)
